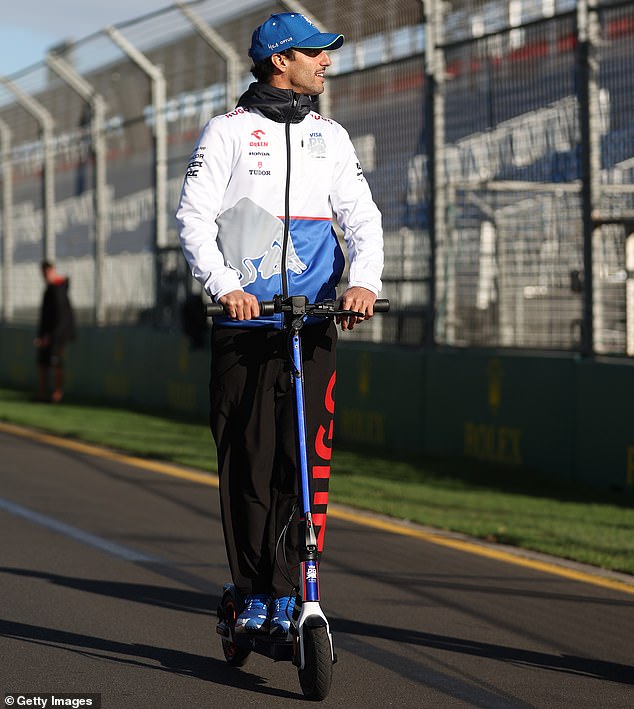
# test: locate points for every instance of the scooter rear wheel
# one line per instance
(316, 676)
(235, 655)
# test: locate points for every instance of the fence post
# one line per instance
(589, 122)
(46, 123)
(7, 222)
(159, 129)
(435, 133)
(629, 289)
(220, 45)
(98, 141)
(159, 132)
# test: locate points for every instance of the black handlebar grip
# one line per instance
(381, 305)
(266, 308)
(214, 309)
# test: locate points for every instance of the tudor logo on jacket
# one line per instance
(242, 214)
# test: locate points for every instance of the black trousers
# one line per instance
(252, 419)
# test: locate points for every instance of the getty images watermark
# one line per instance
(48, 700)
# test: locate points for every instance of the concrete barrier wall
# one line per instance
(505, 409)
(381, 397)
(604, 441)
(570, 418)
(127, 366)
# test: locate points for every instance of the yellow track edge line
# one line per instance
(357, 517)
(154, 466)
(473, 547)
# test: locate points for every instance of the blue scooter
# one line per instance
(308, 645)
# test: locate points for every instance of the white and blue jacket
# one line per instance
(258, 198)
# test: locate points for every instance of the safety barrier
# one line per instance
(560, 415)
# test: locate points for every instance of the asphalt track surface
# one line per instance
(111, 570)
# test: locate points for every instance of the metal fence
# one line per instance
(530, 190)
(496, 136)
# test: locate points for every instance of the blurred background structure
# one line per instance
(497, 137)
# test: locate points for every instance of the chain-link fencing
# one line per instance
(496, 137)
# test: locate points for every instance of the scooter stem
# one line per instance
(301, 418)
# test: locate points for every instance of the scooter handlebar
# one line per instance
(267, 307)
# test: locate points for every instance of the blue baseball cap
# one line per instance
(286, 30)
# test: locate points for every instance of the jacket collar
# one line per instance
(280, 105)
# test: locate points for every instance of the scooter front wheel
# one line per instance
(316, 676)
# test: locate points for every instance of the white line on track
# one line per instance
(75, 533)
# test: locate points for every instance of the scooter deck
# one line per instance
(276, 649)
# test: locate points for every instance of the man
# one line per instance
(56, 328)
(255, 222)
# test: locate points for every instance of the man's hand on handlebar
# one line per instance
(360, 300)
(240, 305)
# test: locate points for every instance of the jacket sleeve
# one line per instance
(204, 186)
(359, 217)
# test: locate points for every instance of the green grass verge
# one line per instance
(517, 508)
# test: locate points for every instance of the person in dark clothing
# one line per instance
(55, 329)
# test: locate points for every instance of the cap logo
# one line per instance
(282, 41)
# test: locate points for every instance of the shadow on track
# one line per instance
(161, 596)
(570, 664)
(182, 663)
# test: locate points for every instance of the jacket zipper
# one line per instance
(287, 194)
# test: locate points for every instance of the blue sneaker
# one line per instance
(254, 616)
(281, 614)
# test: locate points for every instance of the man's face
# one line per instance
(305, 74)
